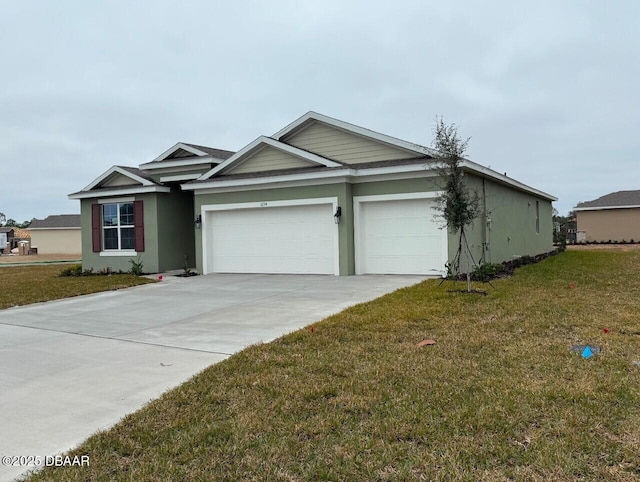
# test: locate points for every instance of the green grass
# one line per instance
(23, 285)
(499, 397)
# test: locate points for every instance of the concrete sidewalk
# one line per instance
(71, 367)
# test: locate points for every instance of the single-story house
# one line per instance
(56, 234)
(614, 216)
(13, 237)
(319, 196)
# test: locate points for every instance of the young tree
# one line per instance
(459, 206)
(3, 218)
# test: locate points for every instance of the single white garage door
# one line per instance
(284, 239)
(399, 237)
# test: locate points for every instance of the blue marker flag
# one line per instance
(587, 353)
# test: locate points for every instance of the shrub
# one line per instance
(73, 270)
(487, 271)
(136, 267)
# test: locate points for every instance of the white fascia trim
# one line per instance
(485, 171)
(357, 237)
(361, 131)
(119, 170)
(268, 204)
(180, 145)
(50, 229)
(120, 192)
(600, 208)
(207, 208)
(268, 179)
(268, 141)
(180, 177)
(321, 181)
(150, 166)
(277, 185)
(118, 253)
(112, 200)
(357, 175)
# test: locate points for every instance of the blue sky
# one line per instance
(547, 91)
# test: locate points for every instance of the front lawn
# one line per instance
(500, 396)
(23, 285)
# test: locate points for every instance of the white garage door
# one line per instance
(398, 237)
(280, 239)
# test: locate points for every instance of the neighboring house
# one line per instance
(319, 196)
(614, 217)
(56, 234)
(14, 236)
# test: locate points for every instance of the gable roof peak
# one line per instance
(312, 116)
(262, 142)
(193, 150)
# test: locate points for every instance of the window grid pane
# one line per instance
(110, 215)
(110, 238)
(127, 238)
(118, 226)
(126, 214)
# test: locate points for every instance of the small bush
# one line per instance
(487, 271)
(136, 267)
(73, 270)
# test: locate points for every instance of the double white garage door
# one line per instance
(391, 236)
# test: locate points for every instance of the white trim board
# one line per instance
(354, 175)
(180, 177)
(360, 175)
(601, 208)
(55, 229)
(357, 222)
(194, 161)
(119, 192)
(208, 208)
(121, 254)
(119, 170)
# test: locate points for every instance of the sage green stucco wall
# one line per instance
(168, 234)
(511, 231)
(176, 237)
(341, 190)
(150, 256)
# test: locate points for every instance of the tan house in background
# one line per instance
(614, 217)
(57, 234)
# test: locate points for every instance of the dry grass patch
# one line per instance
(23, 285)
(499, 397)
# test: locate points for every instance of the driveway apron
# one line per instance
(72, 367)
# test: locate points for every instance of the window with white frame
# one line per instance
(118, 230)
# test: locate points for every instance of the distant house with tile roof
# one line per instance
(13, 237)
(613, 217)
(57, 234)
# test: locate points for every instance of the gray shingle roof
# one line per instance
(217, 153)
(620, 198)
(139, 172)
(57, 221)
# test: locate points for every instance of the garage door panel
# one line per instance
(399, 237)
(284, 239)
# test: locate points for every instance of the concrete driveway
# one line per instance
(72, 367)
